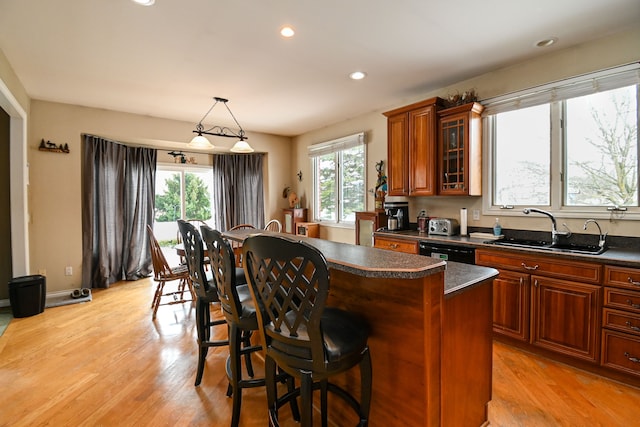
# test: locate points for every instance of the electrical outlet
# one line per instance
(68, 271)
(476, 214)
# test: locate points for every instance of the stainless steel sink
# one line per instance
(548, 246)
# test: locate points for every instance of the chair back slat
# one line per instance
(290, 282)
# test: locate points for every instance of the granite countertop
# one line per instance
(381, 263)
(621, 256)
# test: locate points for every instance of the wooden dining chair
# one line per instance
(237, 246)
(163, 273)
(273, 225)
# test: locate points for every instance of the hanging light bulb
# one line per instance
(199, 141)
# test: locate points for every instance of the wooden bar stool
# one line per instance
(290, 282)
(206, 293)
(240, 311)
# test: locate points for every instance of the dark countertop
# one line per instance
(381, 263)
(626, 257)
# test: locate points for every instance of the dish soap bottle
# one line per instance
(497, 228)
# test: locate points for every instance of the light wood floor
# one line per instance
(106, 363)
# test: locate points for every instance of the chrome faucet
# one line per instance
(603, 237)
(554, 229)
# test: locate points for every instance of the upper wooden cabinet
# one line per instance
(460, 150)
(411, 149)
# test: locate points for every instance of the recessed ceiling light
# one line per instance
(547, 42)
(357, 75)
(145, 2)
(287, 31)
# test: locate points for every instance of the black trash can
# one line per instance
(27, 295)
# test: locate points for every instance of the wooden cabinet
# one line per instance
(460, 150)
(398, 245)
(411, 149)
(511, 302)
(293, 216)
(621, 320)
(563, 308)
(366, 224)
(308, 229)
(566, 317)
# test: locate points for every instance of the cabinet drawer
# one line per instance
(623, 277)
(621, 321)
(539, 264)
(621, 352)
(397, 245)
(622, 299)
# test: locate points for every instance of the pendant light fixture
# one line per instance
(200, 141)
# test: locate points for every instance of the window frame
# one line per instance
(183, 169)
(337, 148)
(573, 87)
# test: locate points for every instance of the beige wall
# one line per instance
(54, 191)
(616, 50)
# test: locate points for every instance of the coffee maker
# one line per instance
(397, 215)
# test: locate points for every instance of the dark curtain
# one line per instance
(118, 191)
(238, 190)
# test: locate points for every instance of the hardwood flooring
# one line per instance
(106, 363)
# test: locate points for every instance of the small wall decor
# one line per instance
(50, 146)
(299, 175)
(180, 157)
(381, 185)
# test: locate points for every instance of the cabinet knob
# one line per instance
(633, 282)
(631, 358)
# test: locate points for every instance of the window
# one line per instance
(567, 147)
(181, 193)
(339, 179)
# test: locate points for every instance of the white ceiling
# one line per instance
(171, 59)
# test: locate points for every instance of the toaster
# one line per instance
(443, 226)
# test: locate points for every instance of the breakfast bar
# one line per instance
(430, 335)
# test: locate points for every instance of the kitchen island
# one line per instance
(430, 335)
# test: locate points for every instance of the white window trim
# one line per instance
(602, 80)
(329, 147)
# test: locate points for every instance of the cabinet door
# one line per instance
(422, 152)
(452, 154)
(566, 317)
(511, 302)
(397, 155)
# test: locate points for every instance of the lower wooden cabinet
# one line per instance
(566, 317)
(534, 302)
(511, 302)
(621, 320)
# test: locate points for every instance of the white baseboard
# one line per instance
(4, 303)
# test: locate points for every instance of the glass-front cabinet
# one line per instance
(459, 150)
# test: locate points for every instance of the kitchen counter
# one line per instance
(426, 317)
(622, 256)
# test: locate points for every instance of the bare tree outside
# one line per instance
(609, 177)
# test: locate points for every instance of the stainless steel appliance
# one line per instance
(397, 215)
(448, 252)
(443, 226)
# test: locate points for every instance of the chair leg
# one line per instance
(306, 399)
(156, 299)
(270, 385)
(246, 343)
(202, 325)
(323, 401)
(235, 344)
(365, 388)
